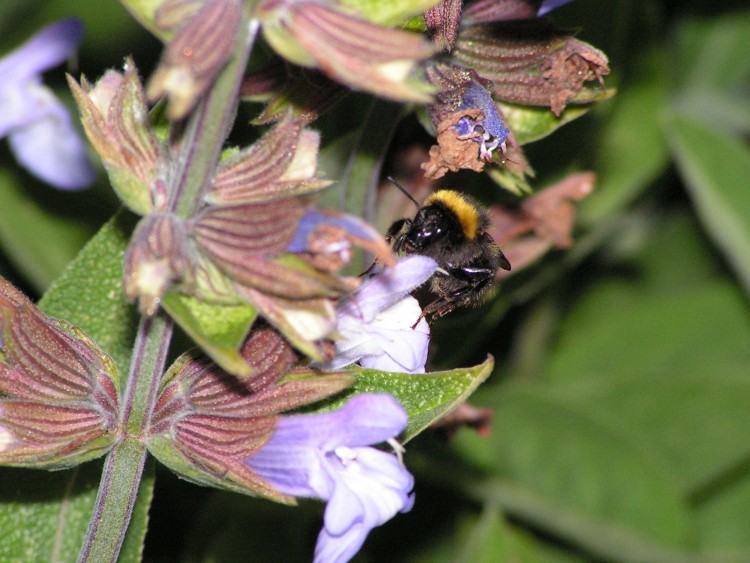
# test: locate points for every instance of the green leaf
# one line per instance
(716, 167)
(218, 329)
(426, 397)
(145, 12)
(517, 185)
(89, 293)
(530, 124)
(44, 515)
(36, 236)
(49, 512)
(632, 150)
(486, 538)
(633, 438)
(712, 51)
(389, 12)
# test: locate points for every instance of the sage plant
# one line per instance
(305, 375)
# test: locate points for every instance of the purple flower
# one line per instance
(38, 126)
(491, 132)
(326, 456)
(549, 5)
(381, 325)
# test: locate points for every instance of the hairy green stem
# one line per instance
(124, 464)
(208, 128)
(199, 151)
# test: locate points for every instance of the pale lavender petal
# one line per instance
(289, 458)
(326, 456)
(315, 218)
(362, 499)
(549, 5)
(46, 49)
(405, 352)
(389, 286)
(49, 146)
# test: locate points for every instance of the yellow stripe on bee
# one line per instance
(465, 211)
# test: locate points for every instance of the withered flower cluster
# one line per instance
(501, 52)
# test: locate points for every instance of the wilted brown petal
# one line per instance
(531, 62)
(465, 415)
(549, 215)
(196, 54)
(453, 152)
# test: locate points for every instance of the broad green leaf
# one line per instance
(530, 124)
(426, 397)
(712, 51)
(632, 439)
(716, 167)
(89, 293)
(49, 512)
(39, 239)
(44, 514)
(486, 538)
(719, 109)
(579, 462)
(724, 524)
(632, 150)
(218, 329)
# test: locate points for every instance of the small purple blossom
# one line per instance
(549, 5)
(491, 132)
(326, 456)
(38, 126)
(381, 325)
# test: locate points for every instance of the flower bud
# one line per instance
(206, 422)
(203, 42)
(59, 390)
(116, 120)
(350, 50)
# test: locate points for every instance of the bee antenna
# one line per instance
(403, 190)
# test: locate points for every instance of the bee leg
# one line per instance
(472, 284)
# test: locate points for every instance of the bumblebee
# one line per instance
(451, 228)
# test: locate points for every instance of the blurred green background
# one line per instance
(622, 386)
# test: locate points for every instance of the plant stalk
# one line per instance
(199, 151)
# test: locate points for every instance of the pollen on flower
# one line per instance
(346, 455)
(178, 80)
(395, 70)
(7, 439)
(151, 279)
(309, 323)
